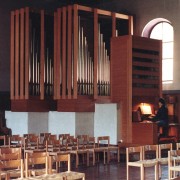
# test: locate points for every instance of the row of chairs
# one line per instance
(35, 165)
(147, 156)
(83, 145)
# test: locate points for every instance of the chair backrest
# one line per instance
(172, 154)
(13, 164)
(36, 158)
(138, 151)
(91, 142)
(57, 159)
(150, 151)
(163, 149)
(103, 141)
(72, 142)
(16, 140)
(9, 156)
(17, 151)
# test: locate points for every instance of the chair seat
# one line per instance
(144, 163)
(163, 160)
(70, 175)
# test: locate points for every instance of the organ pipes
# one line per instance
(61, 56)
(103, 75)
(85, 65)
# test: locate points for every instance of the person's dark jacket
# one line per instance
(162, 114)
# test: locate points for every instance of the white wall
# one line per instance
(61, 122)
(37, 122)
(85, 123)
(106, 122)
(103, 122)
(17, 122)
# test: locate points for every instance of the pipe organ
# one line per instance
(64, 55)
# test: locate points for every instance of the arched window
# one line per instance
(163, 30)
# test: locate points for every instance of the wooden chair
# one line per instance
(53, 145)
(173, 166)
(90, 147)
(140, 152)
(68, 175)
(36, 164)
(163, 155)
(12, 163)
(15, 141)
(12, 168)
(78, 149)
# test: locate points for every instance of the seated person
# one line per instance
(161, 116)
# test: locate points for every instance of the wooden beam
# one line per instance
(27, 53)
(69, 52)
(75, 51)
(130, 25)
(113, 25)
(95, 52)
(55, 55)
(58, 64)
(42, 58)
(22, 53)
(64, 54)
(17, 55)
(12, 56)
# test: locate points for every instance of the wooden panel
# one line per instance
(113, 25)
(95, 52)
(146, 81)
(82, 104)
(58, 64)
(64, 54)
(69, 52)
(121, 82)
(130, 25)
(27, 53)
(17, 55)
(55, 56)
(32, 105)
(42, 58)
(12, 56)
(144, 133)
(22, 54)
(145, 92)
(75, 51)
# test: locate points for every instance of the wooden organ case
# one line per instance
(61, 61)
(136, 68)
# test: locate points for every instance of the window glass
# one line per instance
(164, 31)
(167, 71)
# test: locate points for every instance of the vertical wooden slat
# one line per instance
(69, 52)
(22, 54)
(55, 55)
(113, 25)
(75, 51)
(42, 57)
(17, 55)
(12, 55)
(64, 54)
(58, 64)
(130, 25)
(95, 52)
(27, 53)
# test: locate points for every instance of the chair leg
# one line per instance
(127, 172)
(156, 171)
(104, 157)
(142, 172)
